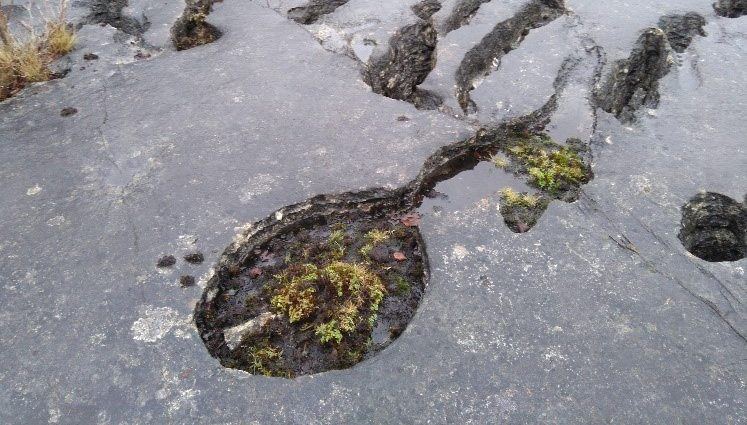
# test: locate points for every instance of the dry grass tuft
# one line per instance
(27, 61)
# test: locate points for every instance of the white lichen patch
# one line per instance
(56, 221)
(459, 253)
(155, 324)
(203, 280)
(186, 242)
(259, 185)
(33, 190)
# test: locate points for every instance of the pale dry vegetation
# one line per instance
(27, 59)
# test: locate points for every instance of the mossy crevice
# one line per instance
(552, 168)
(521, 211)
(317, 298)
(191, 29)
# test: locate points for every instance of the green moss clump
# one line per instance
(340, 297)
(515, 199)
(521, 210)
(373, 238)
(403, 286)
(552, 168)
(499, 162)
(266, 359)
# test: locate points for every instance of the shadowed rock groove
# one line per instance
(730, 8)
(633, 83)
(681, 29)
(461, 15)
(191, 30)
(485, 57)
(714, 227)
(110, 12)
(313, 10)
(408, 61)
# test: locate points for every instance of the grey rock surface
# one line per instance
(596, 315)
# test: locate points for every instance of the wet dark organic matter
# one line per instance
(313, 10)
(731, 8)
(714, 227)
(186, 281)
(426, 8)
(633, 83)
(681, 29)
(409, 60)
(324, 296)
(111, 12)
(191, 30)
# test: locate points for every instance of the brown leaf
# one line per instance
(255, 272)
(411, 219)
(399, 256)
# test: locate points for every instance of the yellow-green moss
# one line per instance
(356, 292)
(295, 296)
(265, 359)
(551, 167)
(499, 162)
(373, 238)
(514, 199)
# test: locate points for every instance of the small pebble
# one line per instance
(166, 261)
(194, 258)
(186, 281)
(66, 112)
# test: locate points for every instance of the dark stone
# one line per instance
(69, 111)
(90, 56)
(714, 227)
(186, 281)
(194, 258)
(166, 261)
(380, 254)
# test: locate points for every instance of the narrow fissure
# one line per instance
(485, 57)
